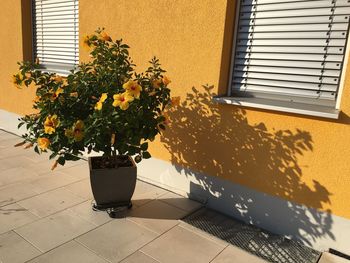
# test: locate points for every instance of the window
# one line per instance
(289, 55)
(56, 34)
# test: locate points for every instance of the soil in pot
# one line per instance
(118, 161)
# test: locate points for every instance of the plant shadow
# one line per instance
(204, 138)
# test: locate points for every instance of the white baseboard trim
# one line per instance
(313, 228)
(9, 122)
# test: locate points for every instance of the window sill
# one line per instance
(59, 73)
(282, 106)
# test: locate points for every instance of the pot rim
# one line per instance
(93, 157)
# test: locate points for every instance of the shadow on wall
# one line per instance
(216, 140)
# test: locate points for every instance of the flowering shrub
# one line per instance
(104, 106)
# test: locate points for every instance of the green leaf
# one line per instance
(138, 158)
(53, 155)
(132, 151)
(146, 155)
(36, 149)
(69, 157)
(89, 149)
(61, 160)
(144, 146)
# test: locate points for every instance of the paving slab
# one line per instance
(12, 193)
(16, 162)
(145, 193)
(71, 252)
(13, 216)
(15, 175)
(84, 211)
(50, 202)
(117, 239)
(53, 231)
(81, 188)
(251, 239)
(14, 249)
(51, 181)
(236, 255)
(157, 216)
(139, 257)
(182, 245)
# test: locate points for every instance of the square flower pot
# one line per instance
(112, 187)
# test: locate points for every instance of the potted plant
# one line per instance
(104, 106)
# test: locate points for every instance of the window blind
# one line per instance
(290, 50)
(56, 34)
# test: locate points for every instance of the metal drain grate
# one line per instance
(268, 246)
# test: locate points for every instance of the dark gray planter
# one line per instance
(112, 187)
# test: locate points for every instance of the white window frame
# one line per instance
(58, 68)
(280, 105)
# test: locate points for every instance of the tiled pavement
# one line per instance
(46, 217)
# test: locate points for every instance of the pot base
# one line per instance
(113, 210)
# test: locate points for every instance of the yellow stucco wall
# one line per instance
(13, 48)
(298, 158)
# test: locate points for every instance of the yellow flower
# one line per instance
(17, 80)
(51, 123)
(166, 81)
(99, 104)
(37, 99)
(87, 42)
(69, 133)
(105, 37)
(92, 71)
(43, 143)
(56, 94)
(122, 100)
(104, 96)
(156, 83)
(59, 91)
(74, 94)
(76, 132)
(57, 78)
(133, 88)
(64, 83)
(175, 101)
(167, 119)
